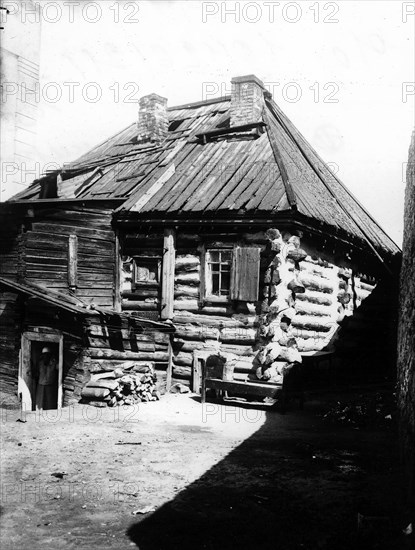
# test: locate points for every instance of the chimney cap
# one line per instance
(248, 78)
(153, 97)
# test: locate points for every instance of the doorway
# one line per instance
(40, 371)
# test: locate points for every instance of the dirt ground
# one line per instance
(175, 475)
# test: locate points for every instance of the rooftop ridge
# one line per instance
(201, 103)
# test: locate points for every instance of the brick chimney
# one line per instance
(247, 100)
(153, 122)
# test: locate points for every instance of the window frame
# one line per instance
(234, 273)
(140, 262)
(205, 283)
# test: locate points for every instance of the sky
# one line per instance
(342, 71)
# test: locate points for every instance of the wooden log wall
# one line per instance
(207, 325)
(45, 248)
(330, 294)
(144, 250)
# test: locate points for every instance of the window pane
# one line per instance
(146, 270)
(215, 283)
(225, 281)
(226, 256)
(218, 271)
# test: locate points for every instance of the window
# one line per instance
(231, 274)
(146, 271)
(218, 273)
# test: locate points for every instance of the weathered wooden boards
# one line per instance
(141, 274)
(10, 243)
(10, 318)
(72, 250)
(164, 275)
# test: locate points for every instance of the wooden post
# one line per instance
(72, 261)
(117, 273)
(24, 384)
(196, 374)
(169, 366)
(60, 372)
(203, 388)
(167, 282)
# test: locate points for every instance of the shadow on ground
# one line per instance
(299, 488)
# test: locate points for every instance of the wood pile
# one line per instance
(137, 384)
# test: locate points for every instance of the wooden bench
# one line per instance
(204, 380)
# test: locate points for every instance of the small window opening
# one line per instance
(226, 123)
(175, 125)
(145, 271)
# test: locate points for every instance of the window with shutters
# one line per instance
(231, 274)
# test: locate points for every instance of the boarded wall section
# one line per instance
(45, 252)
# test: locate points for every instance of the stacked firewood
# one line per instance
(117, 388)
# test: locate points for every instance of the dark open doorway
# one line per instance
(44, 372)
(40, 376)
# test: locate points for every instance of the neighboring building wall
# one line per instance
(406, 336)
(19, 60)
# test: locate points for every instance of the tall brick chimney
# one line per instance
(153, 122)
(247, 100)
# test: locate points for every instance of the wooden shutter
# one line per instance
(72, 261)
(245, 279)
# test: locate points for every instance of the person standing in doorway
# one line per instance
(46, 394)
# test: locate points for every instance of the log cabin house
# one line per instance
(207, 227)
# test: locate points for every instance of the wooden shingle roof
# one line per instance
(204, 168)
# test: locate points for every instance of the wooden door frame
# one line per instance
(27, 338)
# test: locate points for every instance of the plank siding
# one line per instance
(46, 254)
(10, 323)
